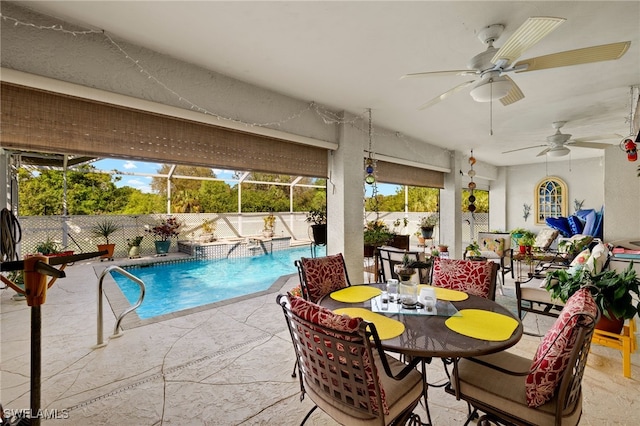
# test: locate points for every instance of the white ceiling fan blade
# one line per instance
(522, 149)
(590, 145)
(612, 136)
(543, 152)
(437, 73)
(531, 32)
(514, 95)
(605, 52)
(445, 94)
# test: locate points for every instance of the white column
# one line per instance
(450, 212)
(345, 221)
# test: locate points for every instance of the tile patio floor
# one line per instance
(226, 365)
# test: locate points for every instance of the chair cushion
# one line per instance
(576, 224)
(545, 238)
(560, 224)
(590, 218)
(598, 258)
(323, 275)
(495, 245)
(323, 317)
(465, 275)
(581, 258)
(553, 354)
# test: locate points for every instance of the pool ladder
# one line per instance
(116, 330)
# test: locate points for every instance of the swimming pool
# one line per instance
(176, 286)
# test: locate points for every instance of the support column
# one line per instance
(5, 179)
(450, 211)
(345, 193)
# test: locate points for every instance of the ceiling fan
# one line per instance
(557, 144)
(490, 67)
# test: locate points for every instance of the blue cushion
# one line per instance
(582, 214)
(597, 227)
(561, 224)
(576, 224)
(590, 223)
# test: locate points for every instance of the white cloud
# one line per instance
(129, 165)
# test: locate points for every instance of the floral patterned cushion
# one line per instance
(472, 277)
(323, 317)
(548, 367)
(323, 275)
(495, 245)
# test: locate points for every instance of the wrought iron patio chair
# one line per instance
(390, 256)
(510, 389)
(344, 370)
(471, 276)
(320, 276)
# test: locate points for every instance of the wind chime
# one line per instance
(369, 162)
(472, 184)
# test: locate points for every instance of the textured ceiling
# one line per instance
(351, 55)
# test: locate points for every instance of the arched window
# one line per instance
(550, 199)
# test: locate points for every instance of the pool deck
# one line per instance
(227, 364)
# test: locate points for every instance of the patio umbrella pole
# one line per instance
(36, 359)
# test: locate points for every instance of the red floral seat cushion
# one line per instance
(548, 367)
(323, 275)
(470, 276)
(323, 317)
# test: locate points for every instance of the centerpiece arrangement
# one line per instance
(163, 232)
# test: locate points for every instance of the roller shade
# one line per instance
(401, 174)
(39, 120)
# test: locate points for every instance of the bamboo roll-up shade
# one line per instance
(401, 174)
(38, 120)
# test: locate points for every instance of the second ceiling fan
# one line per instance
(490, 67)
(558, 143)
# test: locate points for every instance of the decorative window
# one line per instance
(550, 199)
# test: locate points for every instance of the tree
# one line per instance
(481, 203)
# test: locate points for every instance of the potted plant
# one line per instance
(48, 247)
(427, 223)
(134, 246)
(473, 251)
(318, 220)
(163, 232)
(208, 231)
(613, 292)
(526, 242)
(420, 238)
(516, 234)
(399, 240)
(376, 233)
(105, 229)
(269, 225)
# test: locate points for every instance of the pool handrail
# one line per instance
(133, 278)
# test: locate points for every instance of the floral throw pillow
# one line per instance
(495, 245)
(316, 314)
(323, 275)
(472, 277)
(553, 354)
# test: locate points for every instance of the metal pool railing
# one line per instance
(116, 329)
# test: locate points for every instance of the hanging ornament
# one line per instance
(472, 184)
(369, 162)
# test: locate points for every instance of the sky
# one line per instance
(143, 183)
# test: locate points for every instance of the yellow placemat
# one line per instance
(483, 325)
(446, 293)
(388, 328)
(355, 293)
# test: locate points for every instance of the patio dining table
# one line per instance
(428, 336)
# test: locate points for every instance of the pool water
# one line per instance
(173, 287)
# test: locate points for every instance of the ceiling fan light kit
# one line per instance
(560, 151)
(491, 89)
